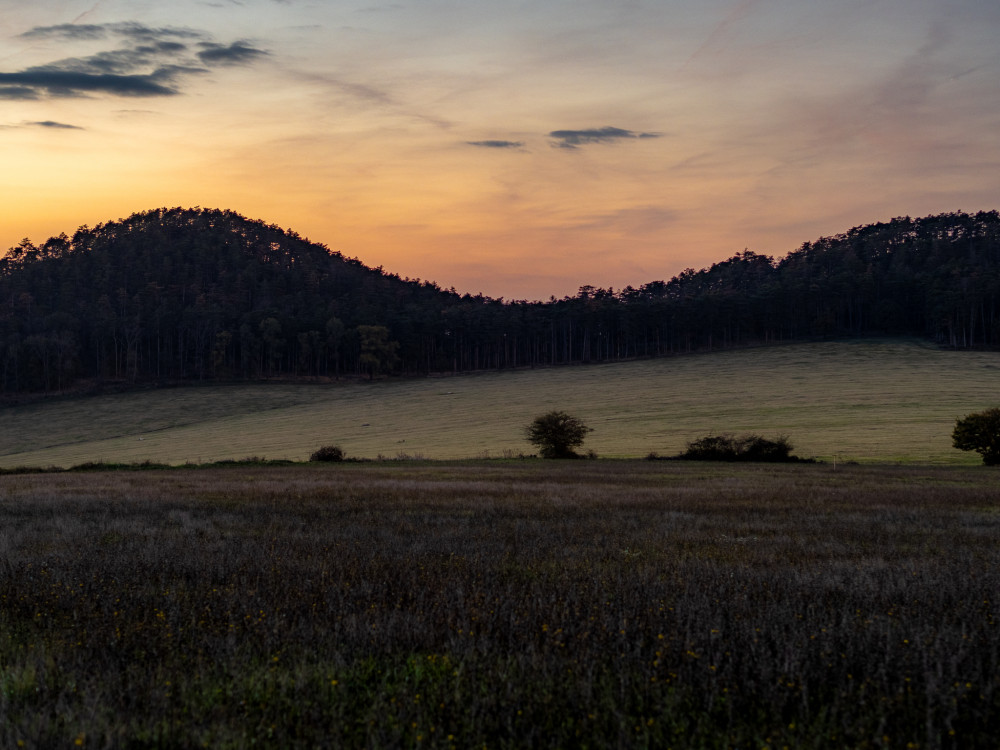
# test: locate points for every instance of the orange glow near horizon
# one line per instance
(520, 155)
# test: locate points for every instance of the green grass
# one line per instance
(541, 604)
(866, 401)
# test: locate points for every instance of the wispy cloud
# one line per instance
(631, 221)
(21, 93)
(148, 61)
(496, 144)
(577, 138)
(237, 53)
(369, 96)
(67, 31)
(130, 29)
(46, 124)
(54, 125)
(34, 82)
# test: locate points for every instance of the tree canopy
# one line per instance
(980, 432)
(556, 434)
(180, 294)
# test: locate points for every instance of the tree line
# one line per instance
(196, 294)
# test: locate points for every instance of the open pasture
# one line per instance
(501, 604)
(867, 401)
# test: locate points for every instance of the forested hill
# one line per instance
(204, 294)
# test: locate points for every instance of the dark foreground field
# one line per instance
(545, 604)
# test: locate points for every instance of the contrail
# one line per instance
(75, 20)
(86, 12)
(739, 12)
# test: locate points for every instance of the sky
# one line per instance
(519, 149)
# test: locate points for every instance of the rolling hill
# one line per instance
(885, 400)
(200, 295)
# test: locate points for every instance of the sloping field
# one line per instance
(867, 401)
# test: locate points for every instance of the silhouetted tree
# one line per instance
(378, 353)
(334, 336)
(274, 342)
(979, 432)
(556, 434)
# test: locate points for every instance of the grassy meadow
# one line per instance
(866, 401)
(501, 604)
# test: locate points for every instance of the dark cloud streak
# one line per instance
(67, 83)
(237, 53)
(496, 144)
(55, 125)
(130, 30)
(151, 62)
(18, 93)
(68, 31)
(577, 138)
(117, 62)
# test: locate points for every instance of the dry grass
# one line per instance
(545, 604)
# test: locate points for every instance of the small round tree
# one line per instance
(556, 434)
(328, 453)
(979, 432)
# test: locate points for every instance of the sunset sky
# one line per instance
(519, 149)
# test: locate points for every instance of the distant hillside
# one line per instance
(174, 294)
(872, 400)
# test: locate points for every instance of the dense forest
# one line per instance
(180, 294)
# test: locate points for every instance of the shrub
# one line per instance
(757, 448)
(556, 434)
(328, 453)
(979, 432)
(742, 448)
(712, 448)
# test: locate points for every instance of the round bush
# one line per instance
(557, 434)
(328, 453)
